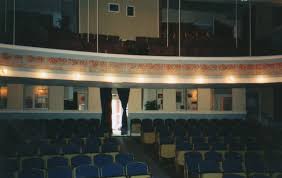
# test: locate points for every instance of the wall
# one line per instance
(94, 101)
(15, 96)
(135, 100)
(56, 98)
(169, 100)
(263, 21)
(204, 99)
(238, 99)
(56, 106)
(204, 106)
(266, 102)
(145, 23)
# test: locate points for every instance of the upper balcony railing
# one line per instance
(167, 28)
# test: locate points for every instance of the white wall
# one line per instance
(94, 101)
(56, 98)
(15, 96)
(204, 99)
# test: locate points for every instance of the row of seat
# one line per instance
(121, 161)
(13, 164)
(194, 167)
(131, 170)
(29, 149)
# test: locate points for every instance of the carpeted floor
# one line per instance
(148, 153)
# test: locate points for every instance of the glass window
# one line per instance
(152, 99)
(76, 98)
(222, 99)
(130, 11)
(113, 7)
(187, 99)
(36, 97)
(3, 97)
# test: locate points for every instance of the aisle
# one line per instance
(146, 154)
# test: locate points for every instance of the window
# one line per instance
(36, 97)
(76, 98)
(3, 97)
(152, 99)
(113, 7)
(187, 99)
(222, 99)
(130, 11)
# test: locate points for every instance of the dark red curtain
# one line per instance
(106, 104)
(123, 94)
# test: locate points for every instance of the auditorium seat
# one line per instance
(181, 149)
(71, 149)
(57, 161)
(166, 146)
(233, 175)
(233, 155)
(218, 147)
(124, 158)
(80, 160)
(49, 149)
(137, 170)
(255, 166)
(31, 173)
(260, 176)
(60, 172)
(27, 149)
(86, 171)
(213, 155)
(135, 126)
(201, 147)
(232, 166)
(35, 162)
(191, 165)
(9, 164)
(112, 170)
(147, 132)
(90, 148)
(110, 148)
(209, 169)
(102, 159)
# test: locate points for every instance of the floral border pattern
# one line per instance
(64, 64)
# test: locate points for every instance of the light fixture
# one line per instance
(261, 79)
(76, 76)
(4, 71)
(110, 78)
(231, 79)
(170, 79)
(140, 79)
(200, 79)
(43, 74)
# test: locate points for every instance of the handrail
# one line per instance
(36, 51)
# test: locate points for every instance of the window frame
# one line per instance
(86, 92)
(157, 97)
(33, 98)
(109, 7)
(133, 11)
(2, 97)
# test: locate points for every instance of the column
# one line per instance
(94, 101)
(56, 98)
(15, 96)
(238, 99)
(169, 100)
(135, 100)
(204, 99)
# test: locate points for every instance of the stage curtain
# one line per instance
(106, 104)
(123, 94)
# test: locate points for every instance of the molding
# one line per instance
(39, 63)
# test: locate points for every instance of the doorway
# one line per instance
(116, 115)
